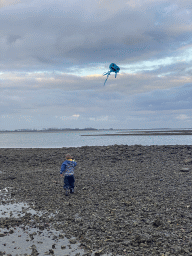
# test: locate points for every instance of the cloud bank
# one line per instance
(53, 55)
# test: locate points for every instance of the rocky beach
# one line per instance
(128, 200)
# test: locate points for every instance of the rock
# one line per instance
(188, 160)
(34, 251)
(63, 247)
(61, 236)
(31, 236)
(157, 223)
(126, 243)
(184, 169)
(72, 241)
(135, 198)
(98, 253)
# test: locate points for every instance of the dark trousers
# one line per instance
(69, 182)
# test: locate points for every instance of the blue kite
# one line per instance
(113, 68)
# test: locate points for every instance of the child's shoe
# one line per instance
(71, 190)
(66, 192)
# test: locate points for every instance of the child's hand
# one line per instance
(61, 175)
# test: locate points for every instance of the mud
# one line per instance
(128, 200)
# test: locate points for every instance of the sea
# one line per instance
(75, 138)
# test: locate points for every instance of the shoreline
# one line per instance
(142, 134)
(128, 199)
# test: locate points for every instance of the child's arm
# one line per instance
(63, 167)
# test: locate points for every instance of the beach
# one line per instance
(128, 200)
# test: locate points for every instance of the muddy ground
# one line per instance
(128, 200)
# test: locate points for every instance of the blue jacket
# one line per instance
(68, 167)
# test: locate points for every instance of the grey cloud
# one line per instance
(13, 38)
(170, 99)
(56, 35)
(42, 41)
(157, 107)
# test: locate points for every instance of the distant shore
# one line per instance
(147, 133)
(117, 132)
(50, 130)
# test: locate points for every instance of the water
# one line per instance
(74, 139)
(19, 240)
(20, 243)
(22, 240)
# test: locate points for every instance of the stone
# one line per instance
(72, 241)
(188, 160)
(138, 203)
(61, 236)
(184, 169)
(157, 223)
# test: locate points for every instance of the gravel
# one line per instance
(128, 200)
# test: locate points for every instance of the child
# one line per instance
(68, 168)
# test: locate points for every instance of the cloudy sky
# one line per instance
(53, 55)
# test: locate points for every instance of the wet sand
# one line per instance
(128, 200)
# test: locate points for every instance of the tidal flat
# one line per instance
(128, 200)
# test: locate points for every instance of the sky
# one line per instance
(53, 55)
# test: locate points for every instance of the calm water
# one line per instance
(74, 139)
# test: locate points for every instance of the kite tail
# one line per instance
(107, 73)
(106, 80)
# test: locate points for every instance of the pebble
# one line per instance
(184, 169)
(128, 199)
(188, 160)
(72, 241)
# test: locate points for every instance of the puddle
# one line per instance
(27, 240)
(16, 210)
(24, 240)
(5, 194)
(9, 208)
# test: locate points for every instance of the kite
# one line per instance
(113, 68)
